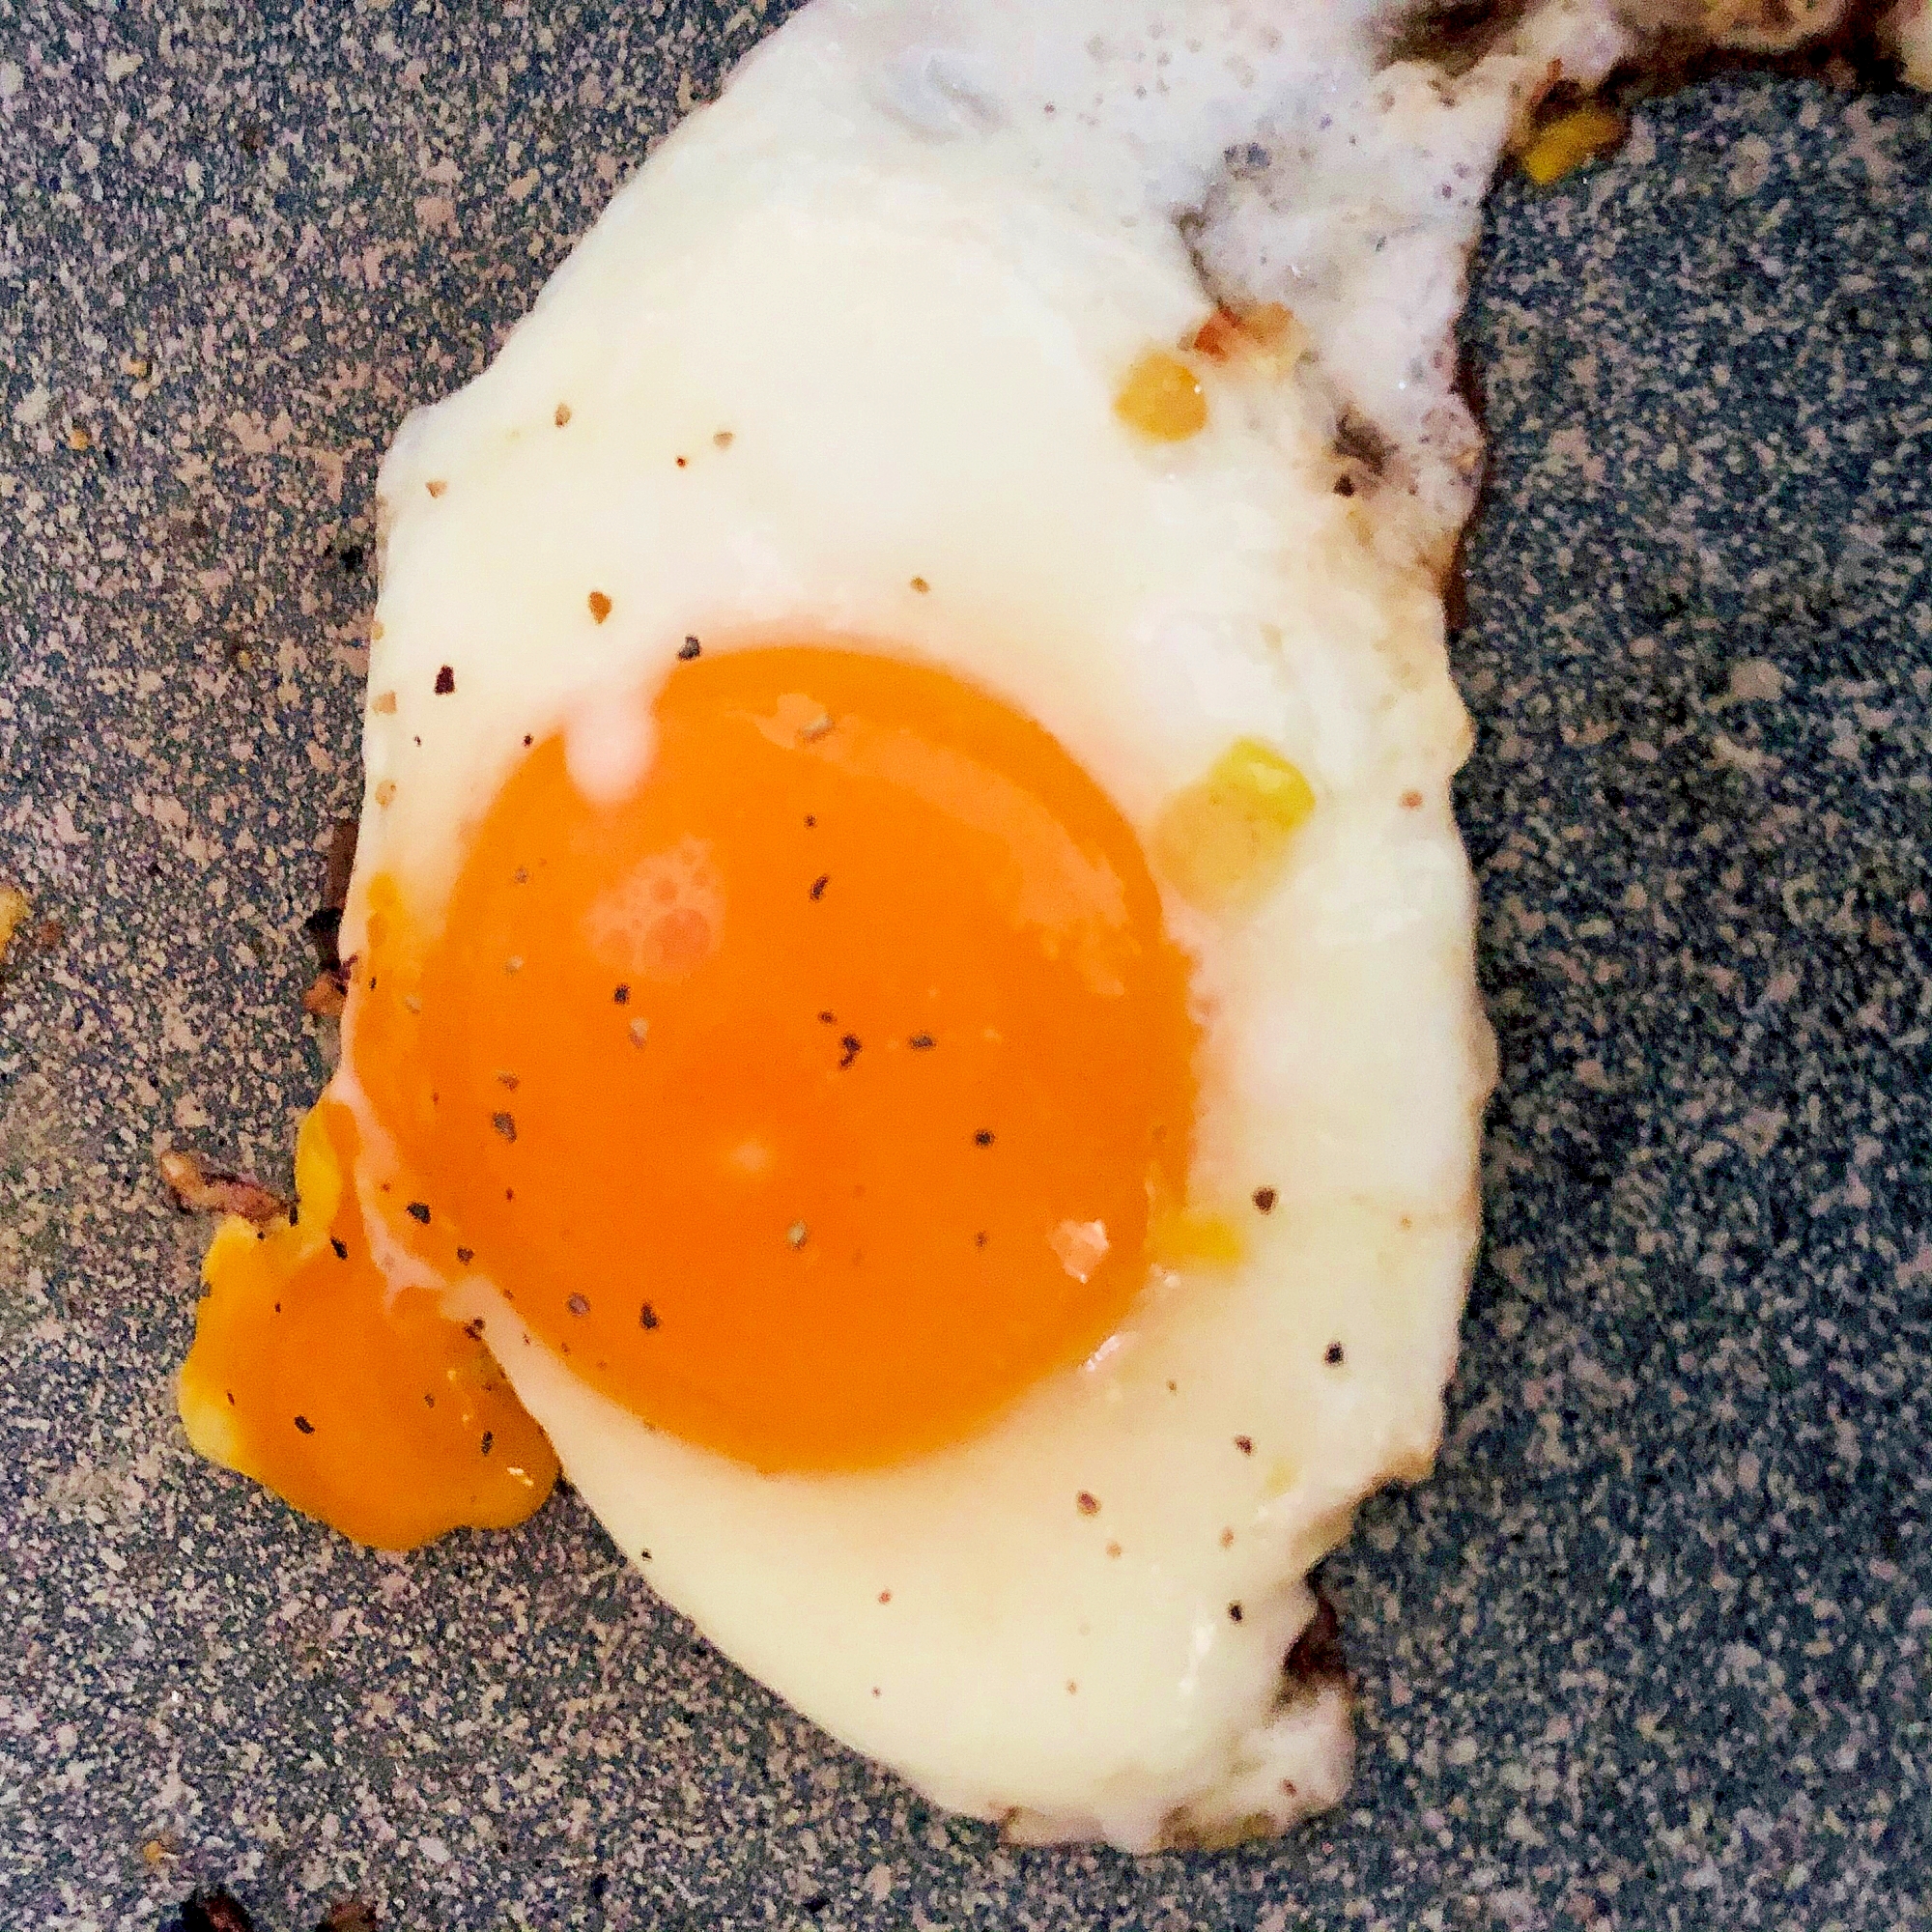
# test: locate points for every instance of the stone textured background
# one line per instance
(1651, 1649)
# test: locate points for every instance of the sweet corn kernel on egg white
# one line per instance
(841, 364)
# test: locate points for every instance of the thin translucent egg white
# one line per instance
(841, 363)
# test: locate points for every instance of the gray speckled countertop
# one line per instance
(1650, 1651)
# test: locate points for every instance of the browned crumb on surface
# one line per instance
(349, 1915)
(201, 1190)
(1317, 1657)
(14, 909)
(215, 1909)
(326, 994)
(341, 863)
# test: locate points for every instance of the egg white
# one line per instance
(879, 299)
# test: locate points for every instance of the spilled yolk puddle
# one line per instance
(813, 1099)
(362, 1405)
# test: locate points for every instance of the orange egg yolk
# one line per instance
(813, 1097)
(362, 1404)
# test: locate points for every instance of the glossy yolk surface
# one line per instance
(363, 1405)
(811, 1098)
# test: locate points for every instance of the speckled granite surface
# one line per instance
(1652, 1649)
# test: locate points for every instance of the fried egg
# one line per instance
(911, 1009)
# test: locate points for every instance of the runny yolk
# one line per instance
(813, 1099)
(362, 1404)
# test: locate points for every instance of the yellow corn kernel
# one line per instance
(1185, 1238)
(1222, 842)
(1570, 140)
(1162, 398)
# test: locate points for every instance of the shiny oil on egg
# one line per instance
(911, 1017)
